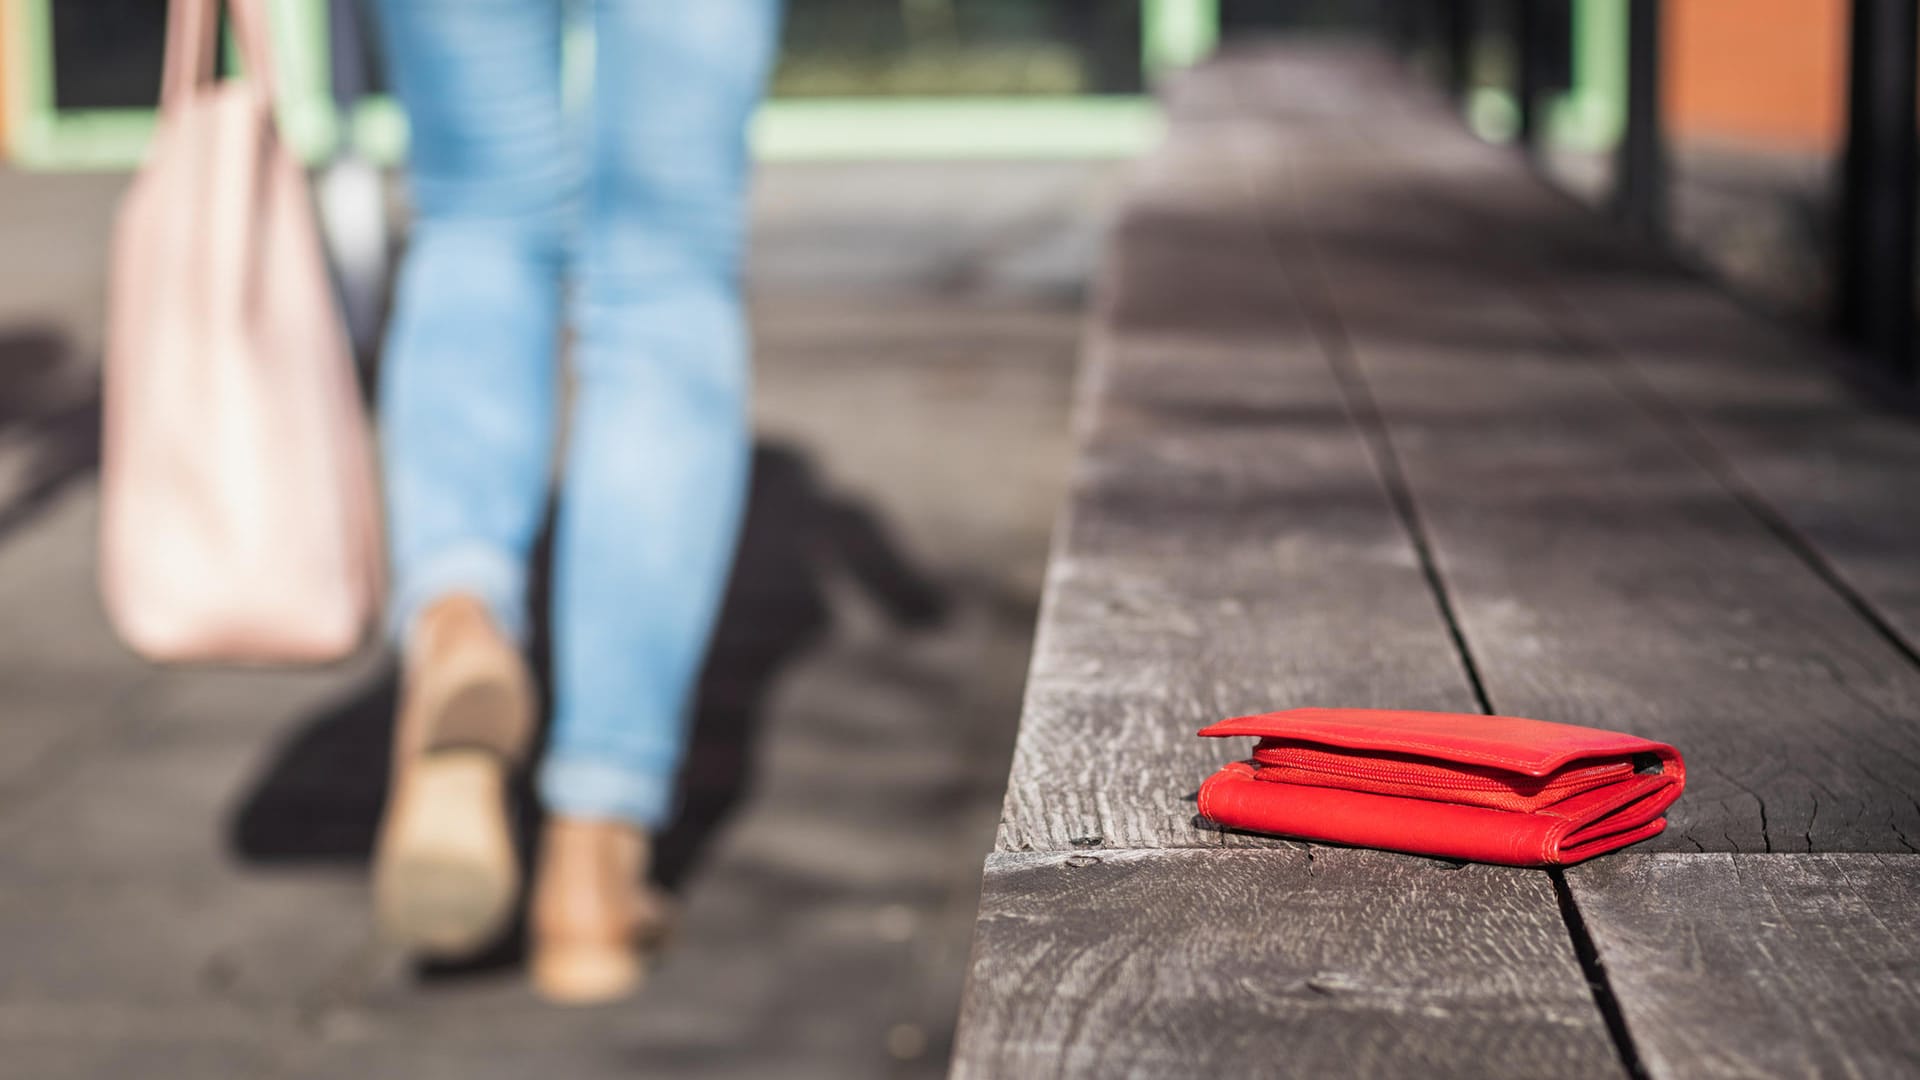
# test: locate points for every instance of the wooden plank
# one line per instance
(1600, 568)
(1836, 459)
(1601, 573)
(1607, 571)
(1823, 458)
(1781, 965)
(1243, 963)
(1830, 450)
(1230, 547)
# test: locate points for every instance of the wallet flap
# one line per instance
(1530, 747)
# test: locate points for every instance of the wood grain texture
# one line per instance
(1248, 963)
(1229, 546)
(1791, 421)
(1601, 572)
(1837, 459)
(1338, 334)
(1761, 965)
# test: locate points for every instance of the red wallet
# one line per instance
(1495, 789)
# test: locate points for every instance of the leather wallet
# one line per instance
(1497, 789)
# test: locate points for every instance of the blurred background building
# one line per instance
(1754, 98)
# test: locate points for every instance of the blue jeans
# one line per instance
(621, 221)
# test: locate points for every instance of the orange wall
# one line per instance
(1766, 73)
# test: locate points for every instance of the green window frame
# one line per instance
(1174, 33)
(43, 137)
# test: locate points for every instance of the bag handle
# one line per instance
(193, 48)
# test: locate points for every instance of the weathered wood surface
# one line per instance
(1822, 447)
(1357, 431)
(1230, 546)
(1761, 965)
(1260, 963)
(1842, 480)
(1601, 571)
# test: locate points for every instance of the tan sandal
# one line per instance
(446, 877)
(594, 916)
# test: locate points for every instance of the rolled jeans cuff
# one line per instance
(595, 790)
(494, 577)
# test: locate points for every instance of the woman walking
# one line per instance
(620, 221)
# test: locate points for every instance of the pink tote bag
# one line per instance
(239, 512)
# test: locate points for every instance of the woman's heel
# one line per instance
(593, 912)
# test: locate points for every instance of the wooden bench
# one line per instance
(1371, 416)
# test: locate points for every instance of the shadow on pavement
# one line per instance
(320, 798)
(62, 430)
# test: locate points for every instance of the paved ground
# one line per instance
(182, 853)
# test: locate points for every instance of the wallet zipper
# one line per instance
(1442, 780)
